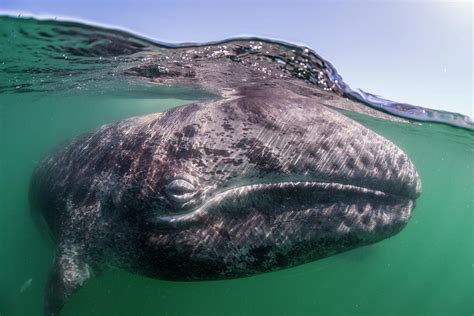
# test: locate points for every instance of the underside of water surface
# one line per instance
(60, 79)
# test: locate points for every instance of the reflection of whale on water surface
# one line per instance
(266, 176)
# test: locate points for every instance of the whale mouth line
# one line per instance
(288, 185)
(314, 191)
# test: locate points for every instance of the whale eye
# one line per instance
(180, 190)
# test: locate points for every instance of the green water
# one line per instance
(46, 97)
(427, 269)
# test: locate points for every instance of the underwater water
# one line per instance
(48, 95)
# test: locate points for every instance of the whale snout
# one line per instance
(413, 182)
(397, 174)
(407, 180)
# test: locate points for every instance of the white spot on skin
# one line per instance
(343, 228)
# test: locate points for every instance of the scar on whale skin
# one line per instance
(268, 176)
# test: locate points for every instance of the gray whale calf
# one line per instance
(266, 177)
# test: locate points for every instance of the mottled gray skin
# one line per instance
(262, 180)
(269, 176)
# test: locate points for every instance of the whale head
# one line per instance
(264, 180)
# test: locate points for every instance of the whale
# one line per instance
(267, 175)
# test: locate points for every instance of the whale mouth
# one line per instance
(290, 186)
(308, 196)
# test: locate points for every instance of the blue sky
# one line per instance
(418, 52)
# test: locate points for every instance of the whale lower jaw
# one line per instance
(306, 198)
(295, 221)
